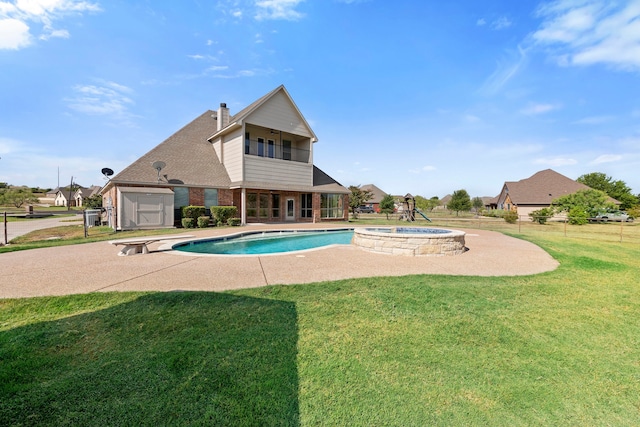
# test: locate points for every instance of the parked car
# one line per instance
(365, 209)
(619, 216)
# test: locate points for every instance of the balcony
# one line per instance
(275, 150)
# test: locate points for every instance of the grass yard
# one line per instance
(559, 348)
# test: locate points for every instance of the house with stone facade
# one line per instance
(259, 160)
(536, 192)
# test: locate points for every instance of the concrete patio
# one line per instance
(96, 267)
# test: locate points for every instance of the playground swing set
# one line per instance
(409, 209)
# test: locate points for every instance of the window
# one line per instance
(210, 197)
(286, 150)
(331, 206)
(247, 143)
(180, 197)
(261, 147)
(252, 204)
(271, 148)
(275, 206)
(264, 205)
(306, 210)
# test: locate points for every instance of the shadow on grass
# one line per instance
(165, 358)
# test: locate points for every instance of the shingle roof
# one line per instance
(376, 193)
(325, 184)
(190, 159)
(541, 188)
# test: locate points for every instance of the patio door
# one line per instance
(291, 210)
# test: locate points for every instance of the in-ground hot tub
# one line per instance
(411, 241)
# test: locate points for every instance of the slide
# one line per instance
(423, 215)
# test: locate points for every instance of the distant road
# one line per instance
(20, 228)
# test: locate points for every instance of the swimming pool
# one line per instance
(267, 242)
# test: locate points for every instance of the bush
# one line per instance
(221, 214)
(541, 215)
(634, 212)
(234, 222)
(203, 221)
(494, 213)
(193, 212)
(511, 217)
(188, 223)
(578, 216)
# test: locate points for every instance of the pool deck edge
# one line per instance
(96, 267)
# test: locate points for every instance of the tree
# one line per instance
(460, 202)
(591, 201)
(93, 202)
(615, 189)
(541, 215)
(477, 204)
(18, 196)
(387, 205)
(358, 197)
(427, 204)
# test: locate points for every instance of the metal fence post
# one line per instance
(6, 235)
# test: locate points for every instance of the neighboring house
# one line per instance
(444, 202)
(259, 160)
(62, 197)
(536, 192)
(377, 196)
(78, 194)
(82, 193)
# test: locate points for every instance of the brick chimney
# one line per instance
(223, 116)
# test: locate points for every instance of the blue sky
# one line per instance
(419, 97)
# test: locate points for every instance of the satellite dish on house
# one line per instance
(107, 172)
(158, 166)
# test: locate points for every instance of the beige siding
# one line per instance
(259, 169)
(279, 113)
(233, 153)
(217, 148)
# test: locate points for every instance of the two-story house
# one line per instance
(259, 160)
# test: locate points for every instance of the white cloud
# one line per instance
(591, 32)
(278, 9)
(14, 34)
(555, 161)
(105, 99)
(607, 158)
(505, 71)
(497, 24)
(595, 120)
(501, 23)
(535, 109)
(15, 31)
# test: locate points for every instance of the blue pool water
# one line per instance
(410, 230)
(259, 243)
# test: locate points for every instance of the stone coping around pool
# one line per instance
(411, 243)
(170, 247)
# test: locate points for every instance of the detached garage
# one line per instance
(144, 207)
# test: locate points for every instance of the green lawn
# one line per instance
(559, 348)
